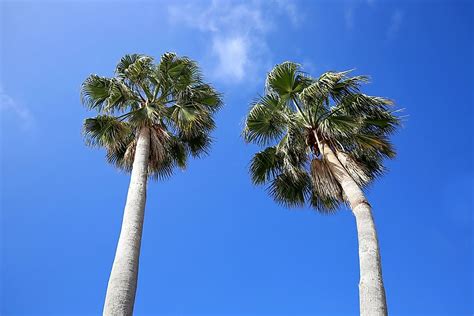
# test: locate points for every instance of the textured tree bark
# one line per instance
(371, 288)
(122, 286)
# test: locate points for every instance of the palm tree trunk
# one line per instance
(122, 286)
(371, 289)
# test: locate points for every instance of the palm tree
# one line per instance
(324, 141)
(151, 118)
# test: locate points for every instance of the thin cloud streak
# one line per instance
(8, 106)
(349, 18)
(396, 21)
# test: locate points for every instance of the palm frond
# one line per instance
(204, 95)
(357, 170)
(198, 145)
(170, 98)
(95, 91)
(324, 205)
(147, 115)
(134, 67)
(324, 182)
(337, 126)
(107, 94)
(374, 143)
(266, 121)
(178, 152)
(190, 119)
(105, 131)
(178, 74)
(296, 111)
(290, 191)
(286, 80)
(265, 165)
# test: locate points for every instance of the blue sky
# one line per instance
(213, 244)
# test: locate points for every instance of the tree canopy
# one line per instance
(296, 114)
(169, 97)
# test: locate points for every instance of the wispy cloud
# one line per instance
(290, 8)
(396, 21)
(9, 107)
(237, 31)
(232, 56)
(349, 17)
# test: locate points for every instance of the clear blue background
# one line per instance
(213, 244)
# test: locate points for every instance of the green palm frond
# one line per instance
(105, 131)
(374, 143)
(135, 67)
(95, 92)
(293, 151)
(324, 205)
(346, 86)
(265, 165)
(286, 80)
(198, 144)
(296, 114)
(106, 94)
(147, 115)
(290, 191)
(370, 163)
(205, 95)
(266, 121)
(170, 98)
(178, 152)
(359, 104)
(339, 126)
(359, 171)
(177, 74)
(190, 119)
(121, 155)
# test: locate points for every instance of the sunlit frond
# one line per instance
(105, 131)
(266, 121)
(286, 80)
(339, 126)
(106, 94)
(95, 92)
(170, 98)
(296, 115)
(134, 67)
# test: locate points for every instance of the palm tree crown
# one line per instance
(170, 98)
(296, 115)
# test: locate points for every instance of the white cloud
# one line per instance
(237, 31)
(396, 21)
(232, 56)
(8, 106)
(291, 10)
(218, 16)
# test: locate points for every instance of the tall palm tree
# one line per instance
(325, 141)
(151, 118)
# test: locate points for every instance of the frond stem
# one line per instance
(299, 110)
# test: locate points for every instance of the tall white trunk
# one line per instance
(371, 289)
(122, 286)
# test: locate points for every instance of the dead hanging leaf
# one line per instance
(356, 170)
(324, 182)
